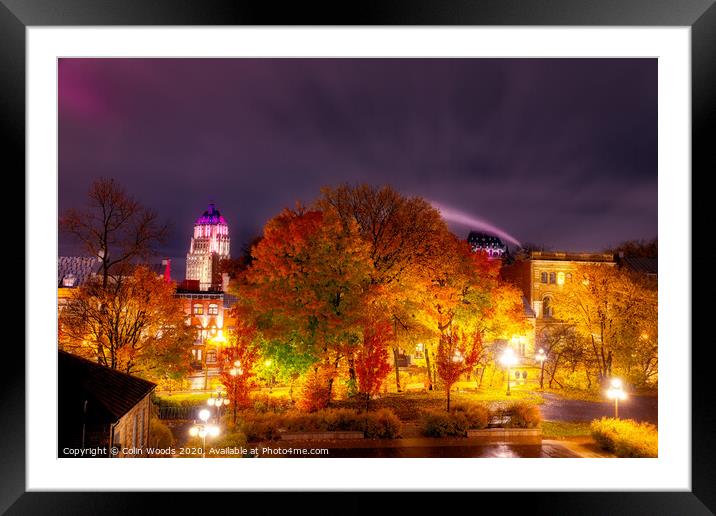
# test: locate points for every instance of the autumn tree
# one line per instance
(135, 325)
(371, 361)
(307, 283)
(114, 227)
(611, 309)
(241, 355)
(403, 235)
(456, 355)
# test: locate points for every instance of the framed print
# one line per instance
(411, 249)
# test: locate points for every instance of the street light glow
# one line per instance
(204, 415)
(508, 357)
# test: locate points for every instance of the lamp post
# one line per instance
(508, 359)
(235, 372)
(203, 429)
(218, 402)
(541, 357)
(616, 393)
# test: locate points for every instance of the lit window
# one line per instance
(198, 309)
(213, 309)
(543, 277)
(560, 278)
(552, 277)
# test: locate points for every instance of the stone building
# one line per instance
(209, 245)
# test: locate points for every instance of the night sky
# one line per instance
(560, 152)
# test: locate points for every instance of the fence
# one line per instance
(185, 413)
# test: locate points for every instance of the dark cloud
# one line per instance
(558, 151)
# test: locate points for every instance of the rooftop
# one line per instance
(117, 392)
(211, 216)
(571, 257)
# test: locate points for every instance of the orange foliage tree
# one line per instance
(306, 285)
(456, 355)
(371, 361)
(241, 355)
(134, 324)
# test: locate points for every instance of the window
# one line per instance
(560, 278)
(198, 309)
(547, 307)
(134, 432)
(210, 356)
(569, 277)
(543, 277)
(213, 309)
(552, 277)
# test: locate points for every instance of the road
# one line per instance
(640, 408)
(397, 449)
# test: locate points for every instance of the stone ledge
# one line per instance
(307, 436)
(508, 435)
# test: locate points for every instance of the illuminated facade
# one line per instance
(209, 245)
(490, 244)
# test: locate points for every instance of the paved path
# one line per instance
(640, 408)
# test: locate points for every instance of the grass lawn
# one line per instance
(184, 396)
(565, 429)
(408, 406)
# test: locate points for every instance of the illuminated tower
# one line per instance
(209, 245)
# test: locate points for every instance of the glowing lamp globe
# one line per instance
(214, 431)
(204, 415)
(193, 431)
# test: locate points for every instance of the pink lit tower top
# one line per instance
(209, 245)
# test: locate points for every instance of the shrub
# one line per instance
(477, 415)
(233, 442)
(524, 415)
(314, 393)
(160, 435)
(439, 423)
(261, 427)
(263, 403)
(625, 437)
(382, 424)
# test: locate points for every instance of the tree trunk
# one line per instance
(448, 388)
(397, 369)
(351, 368)
(482, 374)
(427, 364)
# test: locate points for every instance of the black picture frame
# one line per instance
(699, 15)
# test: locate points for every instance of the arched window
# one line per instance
(553, 277)
(198, 309)
(213, 309)
(547, 307)
(560, 278)
(543, 277)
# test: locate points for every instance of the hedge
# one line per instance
(626, 437)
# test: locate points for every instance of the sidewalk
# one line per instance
(585, 447)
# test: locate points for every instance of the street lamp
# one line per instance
(541, 357)
(218, 402)
(508, 359)
(616, 393)
(203, 429)
(235, 372)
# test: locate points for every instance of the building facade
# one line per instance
(490, 244)
(209, 245)
(101, 408)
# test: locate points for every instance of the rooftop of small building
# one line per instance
(117, 392)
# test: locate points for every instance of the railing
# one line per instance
(181, 413)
